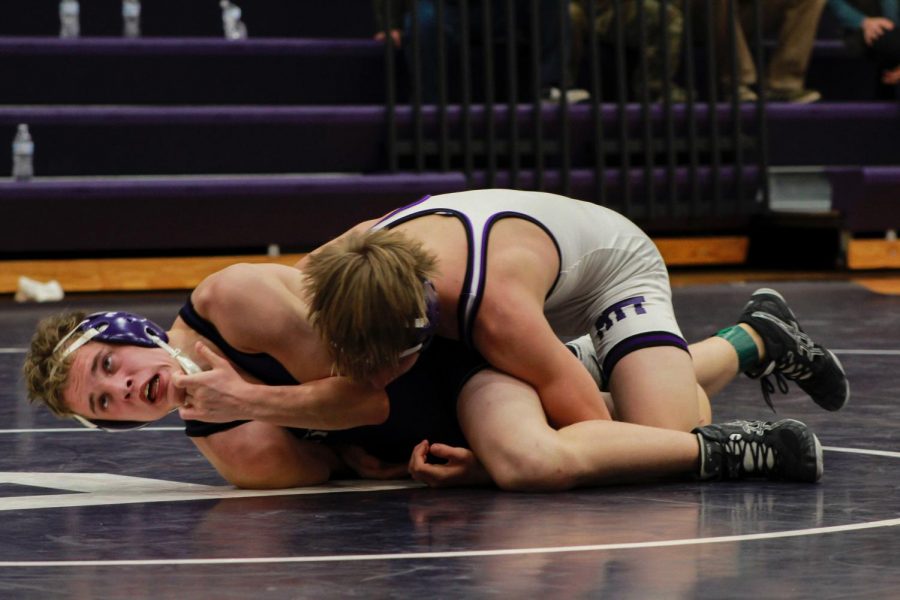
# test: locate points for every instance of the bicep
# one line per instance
(262, 456)
(519, 341)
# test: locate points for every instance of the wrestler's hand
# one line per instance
(461, 468)
(370, 467)
(216, 395)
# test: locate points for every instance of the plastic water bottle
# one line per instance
(23, 154)
(131, 18)
(69, 19)
(231, 21)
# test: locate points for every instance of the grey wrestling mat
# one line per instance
(142, 515)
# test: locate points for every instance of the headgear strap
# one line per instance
(424, 326)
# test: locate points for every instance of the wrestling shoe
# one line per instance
(583, 349)
(785, 450)
(791, 354)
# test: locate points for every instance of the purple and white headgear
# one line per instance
(425, 326)
(120, 328)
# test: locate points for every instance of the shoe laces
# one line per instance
(768, 388)
(794, 369)
(750, 456)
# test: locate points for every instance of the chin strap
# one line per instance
(187, 365)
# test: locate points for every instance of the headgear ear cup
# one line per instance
(425, 326)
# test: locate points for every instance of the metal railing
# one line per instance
(691, 160)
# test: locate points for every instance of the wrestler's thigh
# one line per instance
(656, 386)
(504, 422)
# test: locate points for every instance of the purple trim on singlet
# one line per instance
(467, 227)
(467, 320)
(258, 364)
(638, 342)
(472, 291)
(401, 209)
(465, 328)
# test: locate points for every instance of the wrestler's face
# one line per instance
(122, 383)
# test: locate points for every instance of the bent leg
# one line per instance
(505, 425)
(716, 362)
(657, 386)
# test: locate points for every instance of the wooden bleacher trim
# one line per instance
(125, 274)
(147, 274)
(704, 251)
(873, 254)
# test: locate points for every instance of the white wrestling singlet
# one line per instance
(612, 280)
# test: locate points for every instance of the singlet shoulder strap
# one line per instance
(262, 366)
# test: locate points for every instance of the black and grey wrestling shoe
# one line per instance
(583, 349)
(792, 354)
(785, 450)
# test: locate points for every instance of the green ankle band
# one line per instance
(748, 355)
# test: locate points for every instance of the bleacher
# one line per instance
(182, 143)
(844, 151)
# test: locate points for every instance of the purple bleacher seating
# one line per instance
(867, 197)
(78, 216)
(191, 71)
(203, 213)
(123, 140)
(266, 18)
(834, 133)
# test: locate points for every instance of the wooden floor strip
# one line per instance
(173, 273)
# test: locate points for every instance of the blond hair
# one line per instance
(46, 373)
(365, 293)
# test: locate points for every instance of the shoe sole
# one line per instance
(771, 292)
(844, 373)
(820, 459)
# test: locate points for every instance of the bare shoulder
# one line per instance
(358, 229)
(248, 303)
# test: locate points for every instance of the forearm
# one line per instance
(328, 404)
(568, 400)
(567, 392)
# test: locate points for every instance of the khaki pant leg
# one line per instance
(796, 22)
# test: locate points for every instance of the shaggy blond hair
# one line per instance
(365, 293)
(46, 374)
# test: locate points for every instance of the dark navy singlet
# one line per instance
(422, 402)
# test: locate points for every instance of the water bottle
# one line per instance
(131, 18)
(231, 21)
(69, 19)
(23, 154)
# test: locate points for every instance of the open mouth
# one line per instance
(151, 389)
